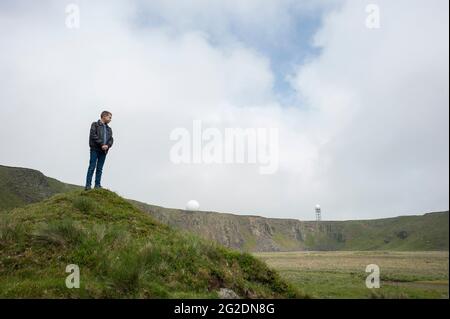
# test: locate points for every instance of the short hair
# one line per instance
(105, 113)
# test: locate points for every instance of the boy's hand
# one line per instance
(105, 147)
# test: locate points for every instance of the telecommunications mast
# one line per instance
(318, 213)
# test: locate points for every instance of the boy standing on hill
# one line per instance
(100, 141)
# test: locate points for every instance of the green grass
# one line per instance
(342, 274)
(121, 252)
(405, 233)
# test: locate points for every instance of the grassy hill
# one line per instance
(404, 233)
(121, 253)
(22, 186)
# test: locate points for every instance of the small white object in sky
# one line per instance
(192, 205)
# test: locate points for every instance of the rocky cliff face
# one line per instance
(258, 234)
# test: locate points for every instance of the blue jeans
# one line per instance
(95, 163)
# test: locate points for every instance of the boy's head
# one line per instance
(106, 117)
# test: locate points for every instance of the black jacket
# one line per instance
(96, 136)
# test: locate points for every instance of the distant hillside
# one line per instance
(22, 186)
(121, 253)
(19, 186)
(254, 233)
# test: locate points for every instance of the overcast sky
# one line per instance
(362, 112)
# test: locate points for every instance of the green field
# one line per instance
(342, 274)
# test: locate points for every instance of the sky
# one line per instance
(359, 98)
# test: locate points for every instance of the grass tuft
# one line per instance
(59, 233)
(84, 204)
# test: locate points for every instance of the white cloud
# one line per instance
(382, 101)
(370, 138)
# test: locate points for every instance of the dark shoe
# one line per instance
(98, 187)
(87, 188)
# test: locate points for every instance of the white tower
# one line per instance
(318, 213)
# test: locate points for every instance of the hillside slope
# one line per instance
(121, 253)
(19, 186)
(259, 234)
(22, 186)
